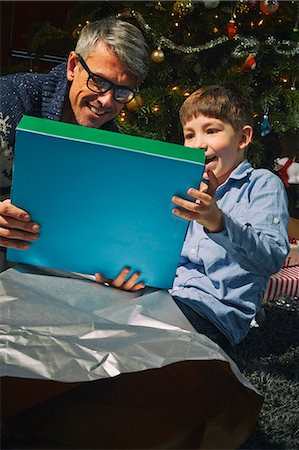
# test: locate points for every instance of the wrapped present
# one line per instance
(293, 257)
(283, 283)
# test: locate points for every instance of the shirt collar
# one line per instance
(241, 171)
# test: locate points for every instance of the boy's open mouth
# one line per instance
(210, 159)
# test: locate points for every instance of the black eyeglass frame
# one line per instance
(111, 86)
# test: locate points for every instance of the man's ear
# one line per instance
(71, 65)
(246, 137)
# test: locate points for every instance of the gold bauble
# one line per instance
(157, 55)
(134, 104)
(183, 7)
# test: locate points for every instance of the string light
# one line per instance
(122, 116)
(155, 109)
(252, 45)
(287, 48)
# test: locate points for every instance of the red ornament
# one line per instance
(269, 7)
(249, 64)
(231, 29)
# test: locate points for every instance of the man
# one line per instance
(102, 74)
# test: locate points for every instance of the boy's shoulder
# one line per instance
(262, 176)
(256, 177)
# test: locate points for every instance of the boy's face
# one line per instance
(224, 147)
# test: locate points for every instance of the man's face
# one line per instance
(89, 108)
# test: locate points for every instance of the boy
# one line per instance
(237, 236)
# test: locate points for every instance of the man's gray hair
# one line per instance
(125, 40)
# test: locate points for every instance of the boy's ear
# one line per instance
(246, 136)
(71, 65)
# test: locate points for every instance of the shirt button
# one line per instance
(276, 220)
(192, 251)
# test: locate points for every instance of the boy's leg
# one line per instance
(204, 326)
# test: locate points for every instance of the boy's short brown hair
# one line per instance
(219, 102)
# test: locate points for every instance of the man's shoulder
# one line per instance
(22, 80)
(26, 81)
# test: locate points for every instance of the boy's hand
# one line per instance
(16, 227)
(120, 281)
(205, 210)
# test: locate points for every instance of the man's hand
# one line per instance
(120, 281)
(205, 210)
(16, 227)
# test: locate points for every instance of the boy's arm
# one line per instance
(257, 237)
(258, 241)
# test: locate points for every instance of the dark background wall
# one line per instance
(17, 18)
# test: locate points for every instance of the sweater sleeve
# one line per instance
(19, 96)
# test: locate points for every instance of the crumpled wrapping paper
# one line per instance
(59, 327)
(72, 329)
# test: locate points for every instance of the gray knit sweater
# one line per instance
(33, 94)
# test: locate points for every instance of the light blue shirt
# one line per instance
(222, 275)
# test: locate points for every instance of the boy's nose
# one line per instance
(203, 145)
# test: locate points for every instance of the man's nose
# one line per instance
(106, 99)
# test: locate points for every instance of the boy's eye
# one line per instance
(212, 131)
(188, 136)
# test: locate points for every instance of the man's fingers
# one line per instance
(11, 243)
(9, 222)
(10, 233)
(7, 209)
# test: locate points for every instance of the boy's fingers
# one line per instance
(188, 215)
(213, 183)
(130, 284)
(120, 283)
(121, 277)
(138, 286)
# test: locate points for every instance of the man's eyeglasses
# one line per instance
(100, 85)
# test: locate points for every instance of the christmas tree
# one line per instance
(248, 44)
